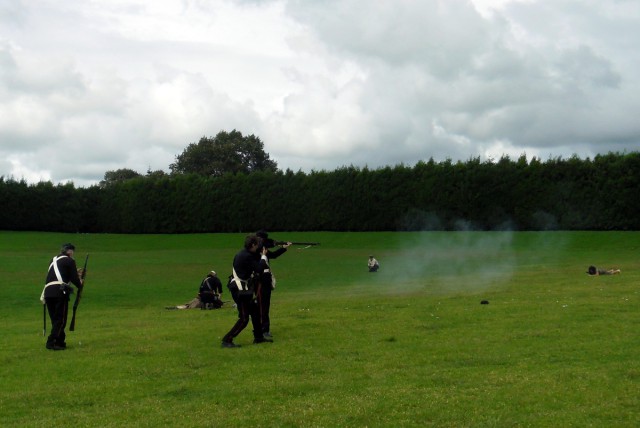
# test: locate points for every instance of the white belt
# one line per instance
(45, 287)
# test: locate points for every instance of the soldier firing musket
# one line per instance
(267, 279)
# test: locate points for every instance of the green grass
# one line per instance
(408, 346)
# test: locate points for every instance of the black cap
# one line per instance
(262, 234)
(68, 246)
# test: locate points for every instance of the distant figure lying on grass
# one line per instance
(595, 271)
(194, 304)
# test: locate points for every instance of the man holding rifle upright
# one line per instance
(57, 291)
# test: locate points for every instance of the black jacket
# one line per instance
(68, 273)
(245, 263)
(211, 284)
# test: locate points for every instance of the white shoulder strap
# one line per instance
(239, 282)
(54, 263)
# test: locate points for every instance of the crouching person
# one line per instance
(373, 264)
(210, 292)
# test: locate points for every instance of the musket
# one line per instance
(306, 244)
(72, 326)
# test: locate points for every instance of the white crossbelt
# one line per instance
(239, 282)
(273, 278)
(59, 281)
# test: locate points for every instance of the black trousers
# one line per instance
(247, 309)
(264, 302)
(58, 308)
(210, 301)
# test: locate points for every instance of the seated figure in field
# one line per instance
(210, 292)
(373, 264)
(595, 271)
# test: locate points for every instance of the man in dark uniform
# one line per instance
(267, 281)
(57, 291)
(210, 291)
(246, 267)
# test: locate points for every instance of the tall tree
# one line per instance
(117, 176)
(227, 152)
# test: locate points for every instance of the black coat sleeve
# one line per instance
(71, 272)
(275, 254)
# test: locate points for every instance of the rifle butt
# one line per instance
(72, 326)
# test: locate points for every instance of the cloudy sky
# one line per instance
(89, 86)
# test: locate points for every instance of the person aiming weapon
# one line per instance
(72, 326)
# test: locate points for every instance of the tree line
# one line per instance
(507, 194)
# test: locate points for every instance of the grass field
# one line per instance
(408, 346)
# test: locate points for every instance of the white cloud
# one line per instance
(88, 87)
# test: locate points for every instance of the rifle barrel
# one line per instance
(72, 326)
(297, 243)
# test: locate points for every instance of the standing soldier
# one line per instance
(57, 291)
(267, 281)
(246, 267)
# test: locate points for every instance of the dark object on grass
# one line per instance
(484, 302)
(595, 271)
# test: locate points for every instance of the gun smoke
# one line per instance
(447, 262)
